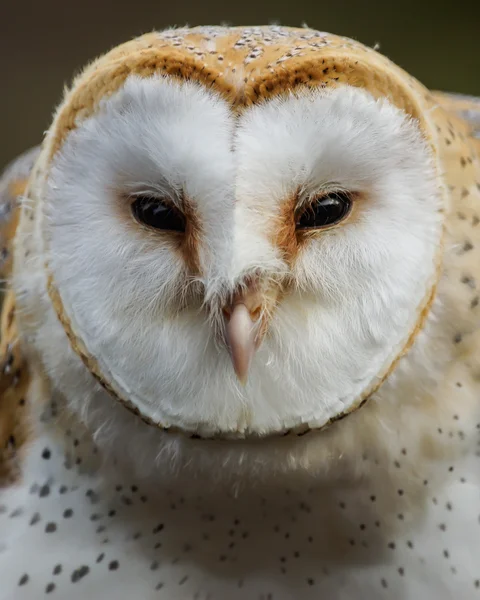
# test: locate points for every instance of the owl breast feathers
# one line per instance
(246, 233)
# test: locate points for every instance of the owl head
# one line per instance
(238, 232)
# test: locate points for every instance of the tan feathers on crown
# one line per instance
(245, 65)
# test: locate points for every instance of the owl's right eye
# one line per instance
(158, 214)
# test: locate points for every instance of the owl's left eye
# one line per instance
(158, 214)
(325, 211)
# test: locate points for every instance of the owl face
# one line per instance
(241, 273)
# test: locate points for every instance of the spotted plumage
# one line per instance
(311, 500)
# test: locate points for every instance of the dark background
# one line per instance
(44, 42)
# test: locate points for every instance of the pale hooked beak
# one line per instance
(245, 327)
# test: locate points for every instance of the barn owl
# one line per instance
(240, 329)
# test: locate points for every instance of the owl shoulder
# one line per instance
(14, 373)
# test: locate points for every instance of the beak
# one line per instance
(245, 327)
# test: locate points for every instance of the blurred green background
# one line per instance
(42, 43)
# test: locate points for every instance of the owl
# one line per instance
(240, 330)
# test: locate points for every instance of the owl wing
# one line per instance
(466, 107)
(14, 375)
(13, 182)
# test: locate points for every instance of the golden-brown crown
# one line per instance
(245, 65)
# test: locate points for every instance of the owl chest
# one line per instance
(69, 531)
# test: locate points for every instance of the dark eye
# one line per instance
(324, 211)
(157, 214)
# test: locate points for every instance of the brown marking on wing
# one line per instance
(14, 384)
(17, 187)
